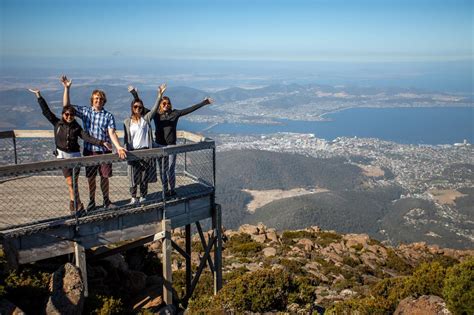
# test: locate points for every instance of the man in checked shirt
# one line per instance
(100, 124)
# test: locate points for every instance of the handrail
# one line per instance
(10, 170)
(50, 134)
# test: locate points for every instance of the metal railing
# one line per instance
(33, 194)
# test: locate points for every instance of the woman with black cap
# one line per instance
(66, 134)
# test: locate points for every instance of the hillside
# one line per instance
(352, 201)
(309, 271)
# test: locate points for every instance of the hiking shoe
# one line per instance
(90, 205)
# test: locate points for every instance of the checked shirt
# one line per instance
(96, 124)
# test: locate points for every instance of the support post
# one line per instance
(80, 254)
(217, 222)
(189, 274)
(14, 148)
(166, 250)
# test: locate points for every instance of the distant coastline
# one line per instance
(424, 125)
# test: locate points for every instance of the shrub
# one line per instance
(305, 292)
(326, 238)
(397, 263)
(288, 236)
(393, 290)
(349, 261)
(427, 280)
(357, 247)
(103, 305)
(28, 289)
(259, 291)
(244, 245)
(293, 266)
(458, 291)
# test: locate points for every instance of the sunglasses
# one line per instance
(137, 106)
(68, 115)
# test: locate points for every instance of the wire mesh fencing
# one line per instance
(48, 191)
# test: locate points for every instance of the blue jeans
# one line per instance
(167, 166)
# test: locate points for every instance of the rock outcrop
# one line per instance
(67, 291)
(424, 305)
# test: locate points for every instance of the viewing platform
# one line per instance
(36, 223)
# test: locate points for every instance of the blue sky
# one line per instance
(296, 30)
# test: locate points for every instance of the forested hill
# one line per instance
(350, 202)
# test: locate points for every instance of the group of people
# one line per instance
(99, 133)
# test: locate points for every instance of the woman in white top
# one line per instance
(138, 135)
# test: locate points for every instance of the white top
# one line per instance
(65, 155)
(139, 134)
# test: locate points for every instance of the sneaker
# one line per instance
(108, 204)
(133, 201)
(90, 205)
(142, 199)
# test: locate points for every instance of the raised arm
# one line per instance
(152, 112)
(191, 109)
(53, 119)
(122, 152)
(134, 92)
(67, 85)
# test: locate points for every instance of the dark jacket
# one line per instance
(66, 134)
(165, 124)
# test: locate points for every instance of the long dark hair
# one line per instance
(165, 98)
(133, 115)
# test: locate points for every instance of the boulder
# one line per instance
(272, 235)
(249, 229)
(424, 305)
(259, 238)
(269, 251)
(356, 239)
(154, 246)
(66, 291)
(306, 243)
(261, 228)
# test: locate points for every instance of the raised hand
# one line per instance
(208, 100)
(66, 83)
(131, 88)
(162, 88)
(36, 92)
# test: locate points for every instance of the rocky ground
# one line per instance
(335, 269)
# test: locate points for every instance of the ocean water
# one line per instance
(421, 125)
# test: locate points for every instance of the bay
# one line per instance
(414, 125)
